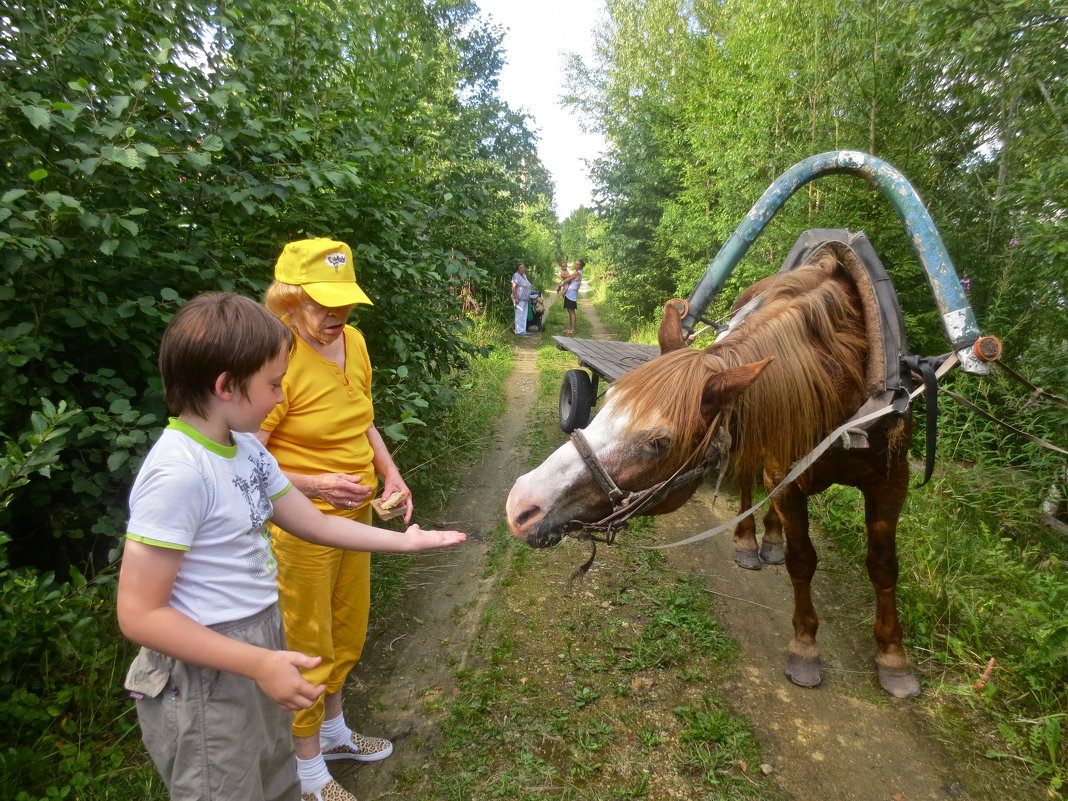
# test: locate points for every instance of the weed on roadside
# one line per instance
(601, 688)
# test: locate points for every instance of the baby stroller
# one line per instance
(536, 310)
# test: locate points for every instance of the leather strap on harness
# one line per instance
(614, 493)
(625, 505)
(922, 366)
(714, 448)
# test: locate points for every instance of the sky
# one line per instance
(538, 37)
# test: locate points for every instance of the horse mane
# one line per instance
(812, 323)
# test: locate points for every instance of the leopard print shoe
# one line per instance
(331, 791)
(362, 749)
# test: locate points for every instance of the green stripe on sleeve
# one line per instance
(147, 541)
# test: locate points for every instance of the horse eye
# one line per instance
(659, 445)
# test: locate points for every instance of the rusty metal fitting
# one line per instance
(988, 349)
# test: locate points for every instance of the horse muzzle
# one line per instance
(539, 520)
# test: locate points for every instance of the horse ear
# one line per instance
(723, 389)
(670, 334)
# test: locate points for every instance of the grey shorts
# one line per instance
(215, 736)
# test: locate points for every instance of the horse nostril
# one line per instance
(524, 517)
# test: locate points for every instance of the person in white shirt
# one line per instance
(521, 298)
(198, 583)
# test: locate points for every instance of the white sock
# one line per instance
(334, 733)
(312, 773)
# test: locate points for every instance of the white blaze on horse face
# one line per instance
(545, 495)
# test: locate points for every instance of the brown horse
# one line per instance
(781, 380)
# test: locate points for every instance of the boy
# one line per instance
(197, 586)
(564, 272)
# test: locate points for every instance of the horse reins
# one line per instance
(627, 504)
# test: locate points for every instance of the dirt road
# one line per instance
(844, 741)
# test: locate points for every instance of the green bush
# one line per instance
(68, 730)
(152, 153)
(65, 733)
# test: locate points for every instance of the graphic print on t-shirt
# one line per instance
(259, 557)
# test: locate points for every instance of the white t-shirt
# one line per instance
(571, 293)
(210, 501)
(522, 286)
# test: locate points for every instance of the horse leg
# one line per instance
(802, 658)
(773, 545)
(882, 506)
(745, 544)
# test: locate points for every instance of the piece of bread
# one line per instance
(393, 506)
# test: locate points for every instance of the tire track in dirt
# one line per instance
(844, 740)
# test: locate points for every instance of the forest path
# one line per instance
(412, 658)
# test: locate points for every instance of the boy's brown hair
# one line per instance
(216, 333)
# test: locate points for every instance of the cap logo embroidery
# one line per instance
(336, 260)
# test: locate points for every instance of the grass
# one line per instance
(979, 581)
(595, 691)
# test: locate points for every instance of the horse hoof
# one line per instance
(772, 554)
(899, 683)
(747, 559)
(802, 671)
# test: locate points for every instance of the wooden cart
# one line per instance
(603, 359)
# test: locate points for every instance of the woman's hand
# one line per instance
(340, 490)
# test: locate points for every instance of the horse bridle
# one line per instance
(625, 505)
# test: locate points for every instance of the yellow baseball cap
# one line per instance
(324, 268)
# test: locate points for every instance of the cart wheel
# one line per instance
(576, 400)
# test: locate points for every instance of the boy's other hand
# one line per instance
(280, 678)
(422, 540)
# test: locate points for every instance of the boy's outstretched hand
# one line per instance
(279, 677)
(422, 540)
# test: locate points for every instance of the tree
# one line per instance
(150, 154)
(576, 236)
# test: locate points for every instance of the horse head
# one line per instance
(655, 423)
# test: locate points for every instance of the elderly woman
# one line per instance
(324, 439)
(520, 298)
